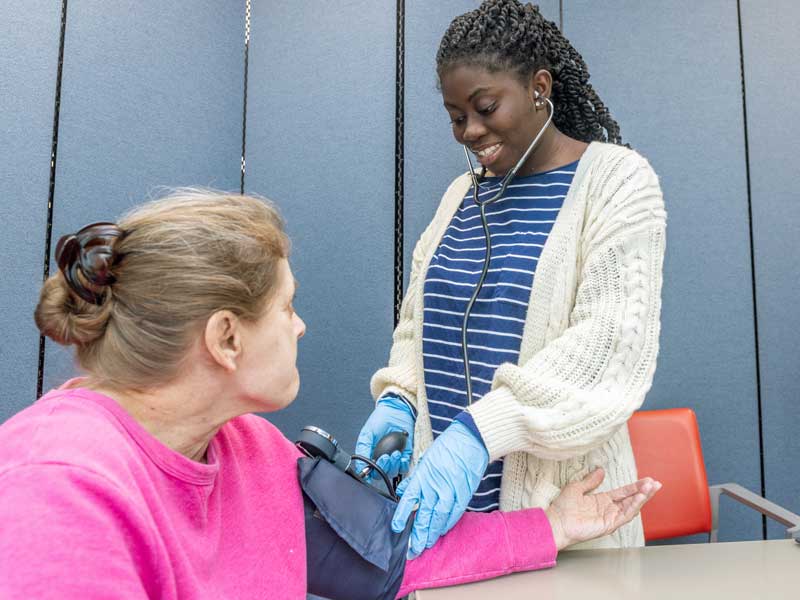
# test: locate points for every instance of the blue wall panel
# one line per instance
(29, 34)
(320, 143)
(432, 156)
(670, 75)
(151, 96)
(772, 77)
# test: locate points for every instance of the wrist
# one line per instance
(398, 403)
(467, 421)
(557, 527)
(476, 445)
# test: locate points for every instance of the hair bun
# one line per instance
(86, 259)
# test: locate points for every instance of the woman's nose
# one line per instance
(301, 327)
(474, 130)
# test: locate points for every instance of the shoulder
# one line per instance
(64, 428)
(253, 434)
(453, 195)
(603, 163)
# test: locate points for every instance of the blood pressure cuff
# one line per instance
(351, 551)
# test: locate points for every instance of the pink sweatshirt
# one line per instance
(93, 506)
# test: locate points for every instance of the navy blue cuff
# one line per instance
(402, 399)
(466, 419)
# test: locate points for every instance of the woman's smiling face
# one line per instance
(493, 114)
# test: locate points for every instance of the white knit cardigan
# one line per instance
(589, 344)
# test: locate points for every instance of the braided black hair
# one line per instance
(505, 35)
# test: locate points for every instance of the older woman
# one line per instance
(149, 477)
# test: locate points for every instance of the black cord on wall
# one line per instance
(244, 95)
(752, 269)
(52, 187)
(399, 101)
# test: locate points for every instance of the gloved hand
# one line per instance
(442, 485)
(390, 414)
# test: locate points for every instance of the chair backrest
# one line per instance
(666, 446)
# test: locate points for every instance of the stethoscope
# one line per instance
(487, 257)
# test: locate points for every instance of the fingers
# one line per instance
(422, 524)
(410, 491)
(592, 480)
(389, 464)
(622, 492)
(630, 506)
(364, 445)
(441, 518)
(401, 489)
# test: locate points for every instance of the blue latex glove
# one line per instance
(442, 484)
(390, 414)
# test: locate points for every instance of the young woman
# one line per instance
(149, 477)
(563, 336)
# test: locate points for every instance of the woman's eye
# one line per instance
(488, 110)
(457, 121)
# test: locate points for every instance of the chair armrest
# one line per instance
(754, 501)
(795, 533)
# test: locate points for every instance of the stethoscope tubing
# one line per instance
(488, 255)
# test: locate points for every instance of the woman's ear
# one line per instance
(541, 82)
(223, 339)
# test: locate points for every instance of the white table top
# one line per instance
(746, 570)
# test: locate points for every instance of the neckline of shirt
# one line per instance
(168, 460)
(522, 178)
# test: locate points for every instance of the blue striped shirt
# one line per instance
(519, 224)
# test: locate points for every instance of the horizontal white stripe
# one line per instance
(470, 330)
(447, 389)
(497, 235)
(518, 185)
(479, 271)
(480, 260)
(483, 249)
(492, 475)
(495, 246)
(462, 230)
(473, 346)
(459, 375)
(492, 491)
(484, 509)
(473, 315)
(446, 419)
(460, 361)
(461, 219)
(485, 285)
(515, 197)
(432, 295)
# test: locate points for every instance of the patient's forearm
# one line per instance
(482, 546)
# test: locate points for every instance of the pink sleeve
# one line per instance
(66, 533)
(482, 546)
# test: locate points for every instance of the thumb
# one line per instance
(592, 480)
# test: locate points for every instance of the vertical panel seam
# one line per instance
(244, 91)
(52, 185)
(752, 266)
(561, 15)
(399, 158)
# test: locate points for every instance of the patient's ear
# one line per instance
(223, 339)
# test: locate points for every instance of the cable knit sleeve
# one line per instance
(401, 375)
(573, 394)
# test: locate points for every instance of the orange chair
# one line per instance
(666, 446)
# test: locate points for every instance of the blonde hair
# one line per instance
(179, 260)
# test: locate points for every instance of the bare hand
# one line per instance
(577, 515)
